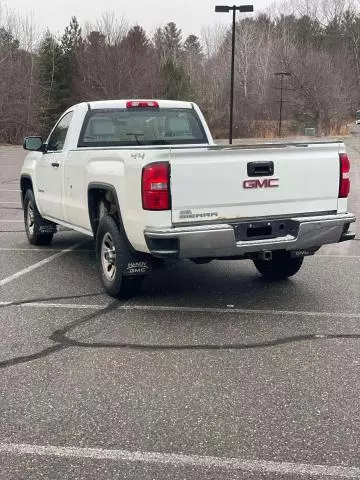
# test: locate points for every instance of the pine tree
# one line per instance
(168, 43)
(71, 44)
(95, 40)
(192, 47)
(56, 71)
(53, 80)
(172, 41)
(176, 81)
(72, 37)
(136, 41)
(7, 40)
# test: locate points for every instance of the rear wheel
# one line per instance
(35, 224)
(113, 256)
(281, 266)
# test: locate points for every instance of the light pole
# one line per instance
(234, 9)
(282, 75)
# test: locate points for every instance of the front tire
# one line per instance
(34, 222)
(113, 254)
(281, 266)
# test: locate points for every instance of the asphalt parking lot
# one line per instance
(210, 373)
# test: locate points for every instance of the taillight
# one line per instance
(156, 186)
(344, 188)
(142, 104)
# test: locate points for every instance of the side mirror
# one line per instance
(34, 144)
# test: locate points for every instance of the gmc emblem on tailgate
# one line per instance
(266, 183)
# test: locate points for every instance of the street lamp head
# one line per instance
(222, 9)
(226, 8)
(246, 8)
(285, 74)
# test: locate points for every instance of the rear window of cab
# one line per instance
(141, 126)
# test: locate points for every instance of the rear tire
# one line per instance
(34, 222)
(113, 254)
(281, 266)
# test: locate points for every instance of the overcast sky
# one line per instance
(190, 15)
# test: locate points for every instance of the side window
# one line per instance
(57, 138)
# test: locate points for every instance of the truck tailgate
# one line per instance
(228, 183)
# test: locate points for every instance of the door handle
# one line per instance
(55, 164)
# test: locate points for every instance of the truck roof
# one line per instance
(104, 104)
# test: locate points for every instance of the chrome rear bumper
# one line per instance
(218, 241)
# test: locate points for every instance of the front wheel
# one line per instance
(38, 230)
(113, 256)
(281, 266)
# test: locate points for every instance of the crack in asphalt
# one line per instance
(58, 346)
(17, 303)
(8, 182)
(62, 340)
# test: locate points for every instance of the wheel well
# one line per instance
(25, 184)
(102, 201)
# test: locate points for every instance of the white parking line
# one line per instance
(7, 249)
(179, 460)
(5, 190)
(39, 264)
(7, 203)
(337, 256)
(12, 221)
(171, 308)
(56, 305)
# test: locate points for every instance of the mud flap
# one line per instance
(303, 253)
(45, 226)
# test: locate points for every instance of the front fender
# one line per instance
(28, 171)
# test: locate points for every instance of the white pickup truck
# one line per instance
(146, 180)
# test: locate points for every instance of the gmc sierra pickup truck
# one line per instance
(147, 181)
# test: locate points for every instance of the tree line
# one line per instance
(318, 43)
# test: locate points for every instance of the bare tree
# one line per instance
(318, 41)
